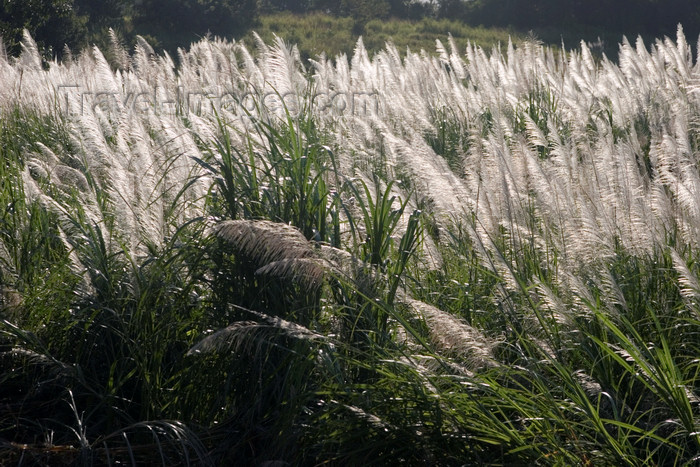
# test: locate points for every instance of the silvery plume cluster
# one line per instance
(576, 156)
(553, 174)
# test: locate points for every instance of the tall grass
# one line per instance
(488, 258)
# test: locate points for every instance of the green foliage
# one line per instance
(362, 11)
(451, 140)
(282, 179)
(52, 23)
(380, 220)
(35, 261)
(176, 22)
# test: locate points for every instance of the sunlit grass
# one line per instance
(318, 33)
(498, 264)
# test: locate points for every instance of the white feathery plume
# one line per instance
(454, 337)
(4, 56)
(562, 314)
(144, 60)
(442, 52)
(689, 284)
(364, 72)
(120, 54)
(457, 64)
(240, 337)
(30, 58)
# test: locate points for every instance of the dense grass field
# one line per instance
(467, 257)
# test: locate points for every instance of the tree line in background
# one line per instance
(55, 24)
(76, 23)
(642, 16)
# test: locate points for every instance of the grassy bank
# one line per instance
(317, 33)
